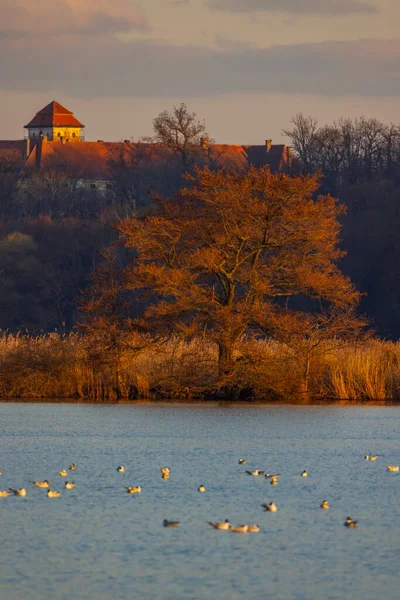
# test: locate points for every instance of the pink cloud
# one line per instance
(50, 18)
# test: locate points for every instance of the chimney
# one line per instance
(268, 144)
(204, 141)
(27, 147)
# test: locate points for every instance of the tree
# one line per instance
(182, 132)
(306, 141)
(232, 248)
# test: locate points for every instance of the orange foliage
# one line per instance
(225, 256)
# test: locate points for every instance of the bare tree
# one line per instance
(182, 132)
(306, 141)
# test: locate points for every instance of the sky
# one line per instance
(245, 67)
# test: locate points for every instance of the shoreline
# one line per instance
(196, 402)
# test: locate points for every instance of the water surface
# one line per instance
(98, 542)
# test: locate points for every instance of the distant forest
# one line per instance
(52, 233)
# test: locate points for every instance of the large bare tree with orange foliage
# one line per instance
(236, 253)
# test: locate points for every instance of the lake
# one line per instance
(98, 542)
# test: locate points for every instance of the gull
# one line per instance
(242, 461)
(165, 470)
(240, 529)
(274, 481)
(4, 494)
(69, 485)
(269, 476)
(324, 504)
(225, 525)
(20, 492)
(167, 523)
(134, 490)
(53, 494)
(374, 457)
(253, 528)
(271, 506)
(41, 484)
(165, 476)
(255, 473)
(392, 468)
(349, 522)
(121, 469)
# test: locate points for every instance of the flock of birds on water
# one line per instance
(165, 474)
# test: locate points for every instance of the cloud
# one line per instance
(100, 67)
(24, 18)
(310, 7)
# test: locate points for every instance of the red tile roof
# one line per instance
(54, 115)
(93, 160)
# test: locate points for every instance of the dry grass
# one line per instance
(67, 366)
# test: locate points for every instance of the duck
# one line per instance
(253, 528)
(271, 507)
(349, 522)
(240, 529)
(134, 490)
(242, 461)
(274, 481)
(165, 476)
(324, 504)
(20, 492)
(392, 468)
(202, 488)
(69, 485)
(223, 526)
(165, 470)
(304, 473)
(53, 494)
(374, 457)
(1, 472)
(63, 473)
(167, 523)
(72, 467)
(41, 484)
(255, 473)
(121, 469)
(4, 493)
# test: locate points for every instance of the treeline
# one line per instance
(360, 164)
(350, 152)
(52, 231)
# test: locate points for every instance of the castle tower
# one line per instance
(56, 123)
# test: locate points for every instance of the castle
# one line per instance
(54, 139)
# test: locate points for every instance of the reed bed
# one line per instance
(73, 366)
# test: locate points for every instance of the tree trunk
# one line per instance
(225, 359)
(304, 383)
